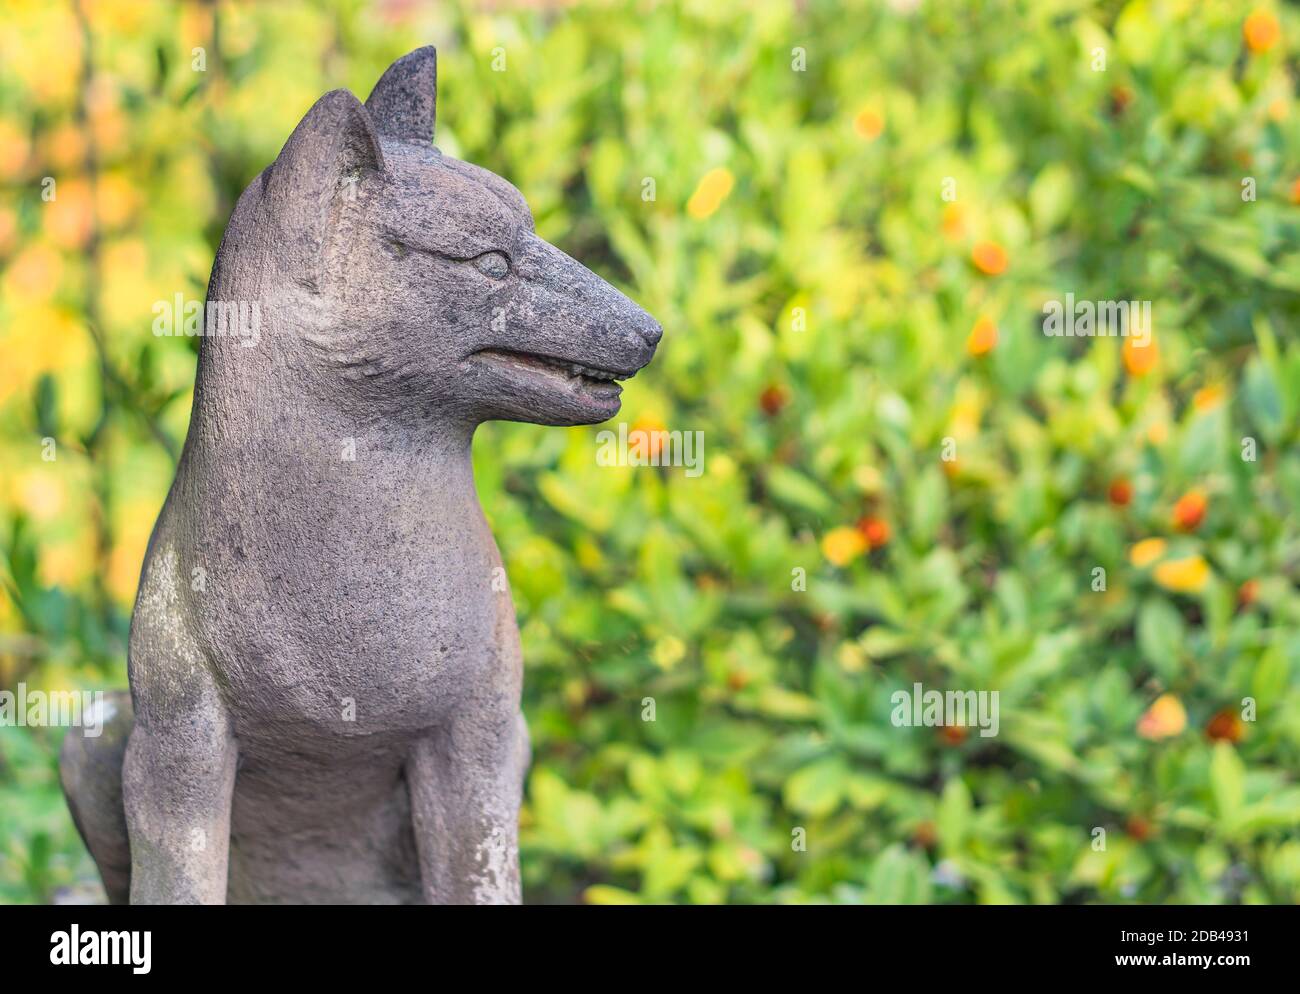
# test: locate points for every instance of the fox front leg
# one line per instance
(466, 783)
(178, 778)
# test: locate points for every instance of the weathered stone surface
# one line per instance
(324, 660)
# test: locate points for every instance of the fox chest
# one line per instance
(378, 659)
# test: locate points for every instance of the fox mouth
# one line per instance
(601, 381)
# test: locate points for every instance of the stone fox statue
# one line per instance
(324, 660)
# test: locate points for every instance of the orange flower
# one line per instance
(924, 835)
(953, 735)
(875, 531)
(843, 545)
(869, 124)
(1225, 726)
(1120, 492)
(645, 437)
(772, 399)
(1248, 593)
(65, 147)
(8, 230)
(1144, 553)
(1188, 575)
(35, 272)
(1165, 718)
(982, 337)
(1189, 512)
(1261, 31)
(14, 149)
(69, 217)
(1140, 359)
(1138, 827)
(990, 258)
(1295, 191)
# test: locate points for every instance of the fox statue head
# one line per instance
(416, 282)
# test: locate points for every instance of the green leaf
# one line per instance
(789, 486)
(1227, 781)
(605, 894)
(1051, 196)
(1160, 635)
(817, 789)
(899, 877)
(954, 816)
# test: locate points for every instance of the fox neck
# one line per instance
(268, 421)
(269, 426)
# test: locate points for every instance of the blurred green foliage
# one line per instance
(823, 305)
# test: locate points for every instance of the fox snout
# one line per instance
(567, 337)
(581, 317)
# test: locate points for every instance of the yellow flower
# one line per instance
(954, 220)
(134, 522)
(851, 657)
(1158, 432)
(1209, 397)
(65, 564)
(967, 412)
(715, 186)
(1144, 553)
(116, 200)
(1188, 575)
(842, 545)
(668, 652)
(1165, 718)
(42, 494)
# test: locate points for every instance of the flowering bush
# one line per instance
(849, 218)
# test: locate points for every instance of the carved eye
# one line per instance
(493, 264)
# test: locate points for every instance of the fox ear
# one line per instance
(329, 150)
(332, 148)
(404, 102)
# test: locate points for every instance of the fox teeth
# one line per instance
(578, 369)
(592, 374)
